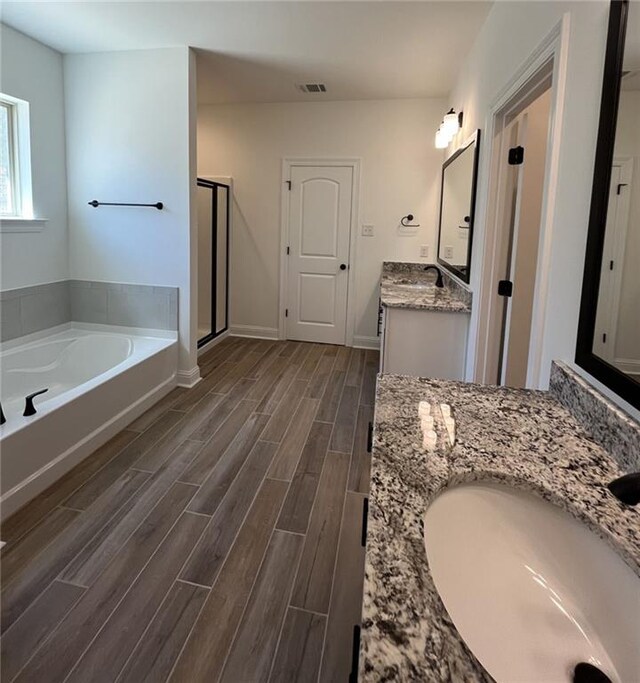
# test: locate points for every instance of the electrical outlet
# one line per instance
(424, 251)
(448, 252)
(367, 230)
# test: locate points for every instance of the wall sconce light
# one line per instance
(449, 127)
(441, 139)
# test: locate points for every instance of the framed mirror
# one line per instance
(609, 329)
(457, 205)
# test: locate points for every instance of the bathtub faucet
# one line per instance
(29, 408)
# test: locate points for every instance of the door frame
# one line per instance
(552, 55)
(621, 228)
(226, 181)
(287, 164)
(214, 333)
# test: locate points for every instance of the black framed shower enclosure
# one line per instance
(214, 199)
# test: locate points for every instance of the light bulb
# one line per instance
(450, 124)
(441, 139)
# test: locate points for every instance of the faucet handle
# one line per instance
(29, 408)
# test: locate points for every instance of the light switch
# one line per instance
(448, 252)
(367, 230)
(424, 251)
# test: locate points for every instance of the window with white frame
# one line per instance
(15, 159)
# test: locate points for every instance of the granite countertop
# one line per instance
(525, 439)
(406, 285)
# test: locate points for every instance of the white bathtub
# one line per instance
(99, 378)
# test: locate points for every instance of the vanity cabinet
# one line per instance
(423, 343)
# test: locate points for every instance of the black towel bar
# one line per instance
(95, 203)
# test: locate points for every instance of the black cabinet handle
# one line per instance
(365, 519)
(355, 655)
(29, 408)
(343, 266)
(370, 438)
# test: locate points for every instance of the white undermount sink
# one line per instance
(530, 589)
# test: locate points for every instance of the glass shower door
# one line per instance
(213, 259)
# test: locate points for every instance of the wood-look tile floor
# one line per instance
(217, 538)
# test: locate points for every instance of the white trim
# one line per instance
(361, 342)
(20, 129)
(619, 232)
(254, 332)
(22, 224)
(214, 178)
(553, 49)
(287, 164)
(213, 342)
(188, 378)
(629, 365)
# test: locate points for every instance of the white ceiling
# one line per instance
(257, 51)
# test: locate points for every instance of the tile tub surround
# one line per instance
(33, 309)
(609, 426)
(521, 438)
(396, 275)
(113, 303)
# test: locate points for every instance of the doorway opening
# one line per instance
(213, 259)
(521, 148)
(319, 209)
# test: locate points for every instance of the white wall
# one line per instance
(399, 175)
(511, 33)
(628, 145)
(33, 72)
(129, 139)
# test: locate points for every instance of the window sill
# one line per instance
(22, 224)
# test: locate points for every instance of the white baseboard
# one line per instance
(214, 342)
(188, 378)
(629, 365)
(366, 342)
(256, 332)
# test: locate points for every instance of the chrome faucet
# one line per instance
(626, 488)
(439, 281)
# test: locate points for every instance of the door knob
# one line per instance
(343, 266)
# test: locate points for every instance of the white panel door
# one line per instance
(318, 266)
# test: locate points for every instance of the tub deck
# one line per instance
(218, 537)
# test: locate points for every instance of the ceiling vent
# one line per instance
(312, 87)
